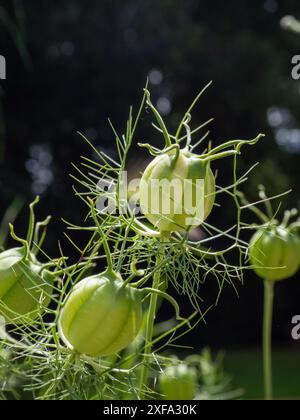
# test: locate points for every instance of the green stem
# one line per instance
(31, 220)
(267, 202)
(253, 208)
(22, 241)
(159, 119)
(188, 132)
(234, 143)
(38, 241)
(164, 295)
(188, 112)
(267, 338)
(103, 237)
(221, 155)
(144, 378)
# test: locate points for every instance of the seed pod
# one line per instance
(178, 382)
(172, 191)
(25, 283)
(101, 316)
(25, 288)
(275, 253)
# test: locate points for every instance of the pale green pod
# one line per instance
(178, 382)
(185, 181)
(101, 316)
(25, 288)
(275, 253)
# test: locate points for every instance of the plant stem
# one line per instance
(149, 333)
(267, 338)
(31, 221)
(103, 237)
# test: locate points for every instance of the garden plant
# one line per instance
(90, 329)
(274, 252)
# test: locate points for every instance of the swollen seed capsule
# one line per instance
(275, 253)
(177, 191)
(25, 288)
(178, 382)
(101, 316)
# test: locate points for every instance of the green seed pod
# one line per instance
(275, 253)
(25, 288)
(172, 206)
(178, 382)
(25, 284)
(101, 316)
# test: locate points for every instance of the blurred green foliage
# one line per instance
(246, 369)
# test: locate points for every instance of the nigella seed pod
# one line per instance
(25, 288)
(101, 316)
(274, 253)
(177, 190)
(25, 284)
(178, 382)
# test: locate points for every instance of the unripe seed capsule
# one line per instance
(178, 382)
(275, 253)
(25, 288)
(101, 316)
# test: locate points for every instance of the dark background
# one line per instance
(71, 64)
